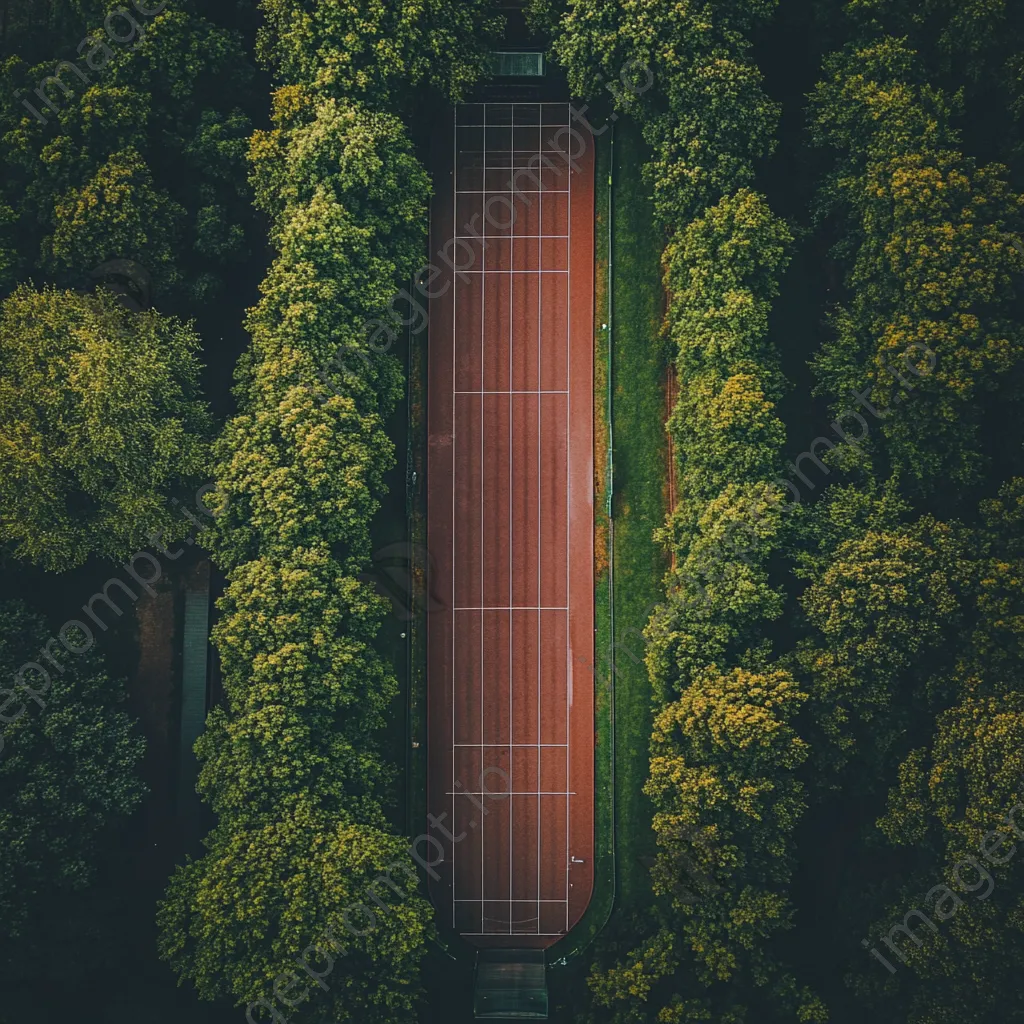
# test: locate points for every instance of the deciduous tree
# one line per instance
(101, 423)
(307, 884)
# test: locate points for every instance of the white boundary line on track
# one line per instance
(483, 322)
(511, 668)
(514, 901)
(540, 342)
(455, 176)
(517, 792)
(502, 608)
(505, 746)
(568, 497)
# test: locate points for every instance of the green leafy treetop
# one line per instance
(929, 331)
(306, 691)
(100, 423)
(723, 760)
(378, 52)
(683, 69)
(293, 764)
(118, 212)
(302, 883)
(142, 157)
(959, 804)
(885, 610)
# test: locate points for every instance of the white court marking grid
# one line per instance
(457, 788)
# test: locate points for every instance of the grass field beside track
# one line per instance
(639, 367)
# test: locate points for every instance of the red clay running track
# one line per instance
(510, 528)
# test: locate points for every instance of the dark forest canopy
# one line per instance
(836, 668)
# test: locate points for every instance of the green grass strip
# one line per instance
(624, 839)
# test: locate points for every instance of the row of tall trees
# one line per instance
(914, 661)
(131, 166)
(724, 749)
(123, 202)
(293, 765)
(931, 269)
(851, 639)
